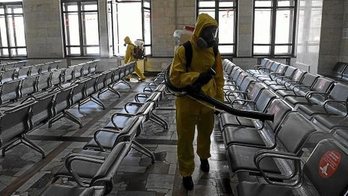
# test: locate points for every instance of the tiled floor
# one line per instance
(23, 172)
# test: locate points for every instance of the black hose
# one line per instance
(199, 95)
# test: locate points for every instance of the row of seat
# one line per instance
(21, 88)
(320, 99)
(264, 149)
(339, 72)
(95, 166)
(19, 118)
(12, 64)
(28, 70)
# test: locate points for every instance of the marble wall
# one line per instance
(344, 42)
(331, 35)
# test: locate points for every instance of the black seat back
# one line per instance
(280, 110)
(14, 122)
(327, 168)
(294, 131)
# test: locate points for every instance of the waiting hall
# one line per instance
(175, 97)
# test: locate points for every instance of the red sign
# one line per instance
(329, 163)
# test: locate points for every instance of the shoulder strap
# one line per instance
(216, 50)
(188, 54)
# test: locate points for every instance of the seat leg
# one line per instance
(162, 122)
(102, 91)
(98, 102)
(114, 91)
(54, 119)
(125, 82)
(32, 145)
(140, 148)
(73, 118)
(9, 146)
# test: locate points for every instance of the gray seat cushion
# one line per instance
(242, 135)
(242, 158)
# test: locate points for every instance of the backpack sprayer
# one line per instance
(212, 103)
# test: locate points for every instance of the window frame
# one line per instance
(217, 9)
(274, 8)
(9, 47)
(82, 37)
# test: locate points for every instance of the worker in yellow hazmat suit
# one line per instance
(189, 112)
(129, 57)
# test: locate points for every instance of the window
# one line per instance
(274, 27)
(225, 12)
(81, 29)
(12, 35)
(137, 24)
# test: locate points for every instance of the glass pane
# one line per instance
(226, 49)
(14, 52)
(22, 51)
(3, 1)
(147, 26)
(90, 22)
(262, 49)
(227, 3)
(10, 23)
(18, 52)
(72, 29)
(131, 27)
(92, 50)
(147, 4)
(262, 26)
(14, 9)
(284, 26)
(3, 40)
(70, 6)
(4, 52)
(286, 3)
(226, 26)
(282, 50)
(89, 6)
(210, 12)
(206, 3)
(147, 50)
(263, 3)
(73, 51)
(19, 28)
(2, 10)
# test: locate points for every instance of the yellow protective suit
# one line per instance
(189, 112)
(128, 57)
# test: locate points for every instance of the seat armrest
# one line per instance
(106, 129)
(77, 178)
(130, 103)
(290, 181)
(119, 114)
(146, 95)
(335, 101)
(85, 155)
(309, 94)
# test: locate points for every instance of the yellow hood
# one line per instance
(203, 21)
(127, 40)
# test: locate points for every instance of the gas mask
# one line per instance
(208, 37)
